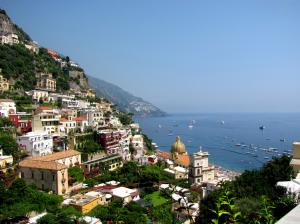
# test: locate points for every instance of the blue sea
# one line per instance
(234, 141)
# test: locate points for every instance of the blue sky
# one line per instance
(183, 56)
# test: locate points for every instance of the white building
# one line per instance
(47, 119)
(96, 119)
(125, 194)
(7, 107)
(9, 39)
(36, 143)
(38, 95)
(70, 103)
(137, 142)
(199, 170)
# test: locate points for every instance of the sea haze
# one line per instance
(219, 134)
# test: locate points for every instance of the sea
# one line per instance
(234, 141)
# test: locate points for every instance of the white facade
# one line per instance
(36, 143)
(70, 103)
(48, 122)
(200, 171)
(10, 39)
(137, 143)
(7, 107)
(39, 94)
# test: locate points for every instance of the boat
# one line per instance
(238, 144)
(266, 157)
(159, 126)
(222, 122)
(282, 139)
(262, 127)
(190, 126)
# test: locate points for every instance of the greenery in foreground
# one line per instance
(251, 198)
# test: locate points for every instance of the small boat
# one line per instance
(282, 139)
(222, 122)
(266, 157)
(159, 126)
(238, 144)
(190, 126)
(262, 127)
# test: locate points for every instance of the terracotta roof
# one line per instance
(81, 118)
(183, 160)
(57, 155)
(63, 119)
(44, 108)
(47, 165)
(164, 155)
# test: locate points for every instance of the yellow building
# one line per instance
(295, 162)
(5, 163)
(4, 84)
(84, 203)
(45, 82)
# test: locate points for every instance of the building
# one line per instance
(125, 194)
(177, 172)
(70, 103)
(96, 164)
(47, 119)
(96, 119)
(46, 175)
(33, 46)
(22, 121)
(9, 39)
(200, 171)
(36, 143)
(7, 107)
(6, 162)
(68, 158)
(295, 162)
(68, 125)
(4, 84)
(109, 140)
(45, 82)
(84, 203)
(137, 142)
(39, 95)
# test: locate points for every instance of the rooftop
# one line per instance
(58, 155)
(123, 192)
(47, 165)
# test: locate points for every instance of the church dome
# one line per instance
(178, 147)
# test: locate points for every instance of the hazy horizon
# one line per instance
(182, 56)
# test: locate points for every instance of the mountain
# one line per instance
(20, 65)
(8, 27)
(123, 99)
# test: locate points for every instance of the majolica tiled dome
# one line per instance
(178, 147)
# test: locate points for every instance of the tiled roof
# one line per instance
(44, 108)
(164, 155)
(81, 118)
(57, 155)
(183, 160)
(47, 165)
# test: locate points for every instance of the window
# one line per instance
(22, 174)
(53, 177)
(198, 171)
(42, 175)
(32, 174)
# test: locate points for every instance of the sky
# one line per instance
(182, 56)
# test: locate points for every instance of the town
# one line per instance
(89, 157)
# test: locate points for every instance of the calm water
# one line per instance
(220, 139)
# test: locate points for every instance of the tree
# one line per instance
(9, 145)
(76, 174)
